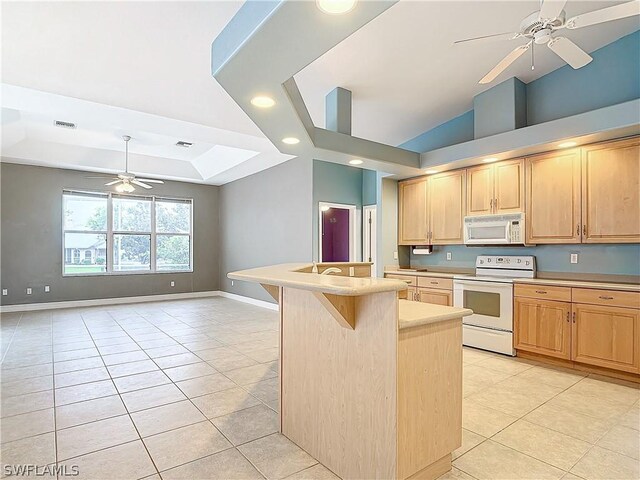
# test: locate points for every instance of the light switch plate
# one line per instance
(574, 258)
(5, 291)
(47, 289)
(448, 255)
(29, 291)
(395, 255)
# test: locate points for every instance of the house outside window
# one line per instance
(108, 233)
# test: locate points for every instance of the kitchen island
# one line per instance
(370, 385)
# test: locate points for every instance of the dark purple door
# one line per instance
(335, 235)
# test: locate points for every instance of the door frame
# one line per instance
(371, 235)
(353, 230)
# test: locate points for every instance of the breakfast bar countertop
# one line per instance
(294, 275)
(415, 314)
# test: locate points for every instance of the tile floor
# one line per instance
(188, 390)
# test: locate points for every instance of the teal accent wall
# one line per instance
(456, 130)
(603, 259)
(369, 187)
(612, 77)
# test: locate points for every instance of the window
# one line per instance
(126, 234)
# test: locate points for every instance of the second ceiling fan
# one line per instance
(539, 29)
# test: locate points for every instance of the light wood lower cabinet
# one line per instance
(432, 295)
(588, 329)
(543, 326)
(606, 336)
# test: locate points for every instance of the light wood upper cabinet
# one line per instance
(480, 190)
(542, 326)
(496, 189)
(413, 220)
(611, 192)
(606, 336)
(509, 187)
(447, 207)
(553, 198)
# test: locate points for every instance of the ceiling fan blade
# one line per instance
(504, 63)
(150, 180)
(141, 184)
(628, 9)
(569, 52)
(493, 37)
(551, 8)
(112, 183)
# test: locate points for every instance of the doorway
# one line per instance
(369, 236)
(337, 242)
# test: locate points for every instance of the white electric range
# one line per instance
(489, 293)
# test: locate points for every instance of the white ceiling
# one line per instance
(114, 68)
(407, 76)
(143, 69)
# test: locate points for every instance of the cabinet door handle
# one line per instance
(541, 291)
(491, 204)
(433, 283)
(568, 315)
(584, 230)
(495, 204)
(605, 297)
(574, 317)
(578, 229)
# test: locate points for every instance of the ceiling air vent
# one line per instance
(61, 124)
(184, 144)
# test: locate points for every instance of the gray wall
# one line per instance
(31, 241)
(265, 220)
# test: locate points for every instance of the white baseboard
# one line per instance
(31, 307)
(252, 301)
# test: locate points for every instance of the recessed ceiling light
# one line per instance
(567, 144)
(61, 124)
(356, 162)
(290, 140)
(490, 159)
(430, 172)
(183, 144)
(263, 101)
(336, 7)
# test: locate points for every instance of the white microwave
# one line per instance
(494, 230)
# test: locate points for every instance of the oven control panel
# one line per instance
(512, 262)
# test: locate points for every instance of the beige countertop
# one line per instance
(578, 283)
(290, 275)
(427, 273)
(414, 314)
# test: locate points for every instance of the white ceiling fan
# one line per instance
(539, 28)
(126, 180)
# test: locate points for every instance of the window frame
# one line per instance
(110, 232)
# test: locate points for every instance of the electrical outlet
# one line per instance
(395, 255)
(232, 283)
(448, 255)
(574, 258)
(173, 284)
(5, 291)
(29, 291)
(47, 289)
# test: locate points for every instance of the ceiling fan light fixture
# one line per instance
(125, 187)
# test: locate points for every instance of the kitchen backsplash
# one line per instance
(600, 259)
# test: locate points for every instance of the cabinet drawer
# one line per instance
(544, 292)
(614, 298)
(436, 282)
(410, 279)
